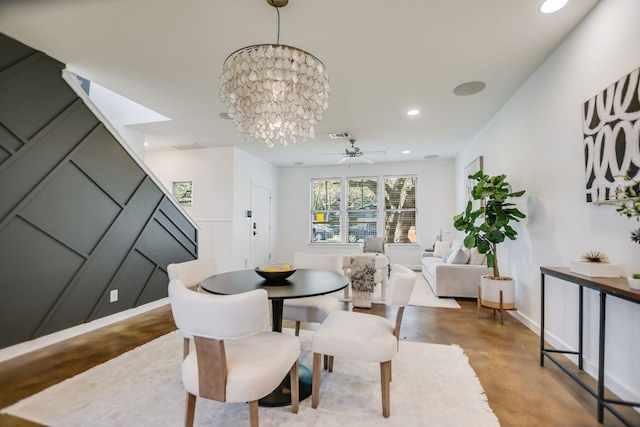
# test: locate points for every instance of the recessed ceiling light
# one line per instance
(413, 112)
(469, 88)
(406, 152)
(146, 144)
(298, 163)
(551, 6)
(431, 156)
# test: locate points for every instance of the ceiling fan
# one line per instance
(354, 153)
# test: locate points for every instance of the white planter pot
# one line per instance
(490, 290)
(633, 283)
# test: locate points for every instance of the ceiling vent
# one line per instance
(339, 135)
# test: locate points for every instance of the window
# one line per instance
(400, 209)
(362, 208)
(183, 192)
(348, 210)
(325, 210)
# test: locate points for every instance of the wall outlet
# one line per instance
(113, 295)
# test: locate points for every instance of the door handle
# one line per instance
(254, 233)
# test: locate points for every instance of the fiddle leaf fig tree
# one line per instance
(488, 225)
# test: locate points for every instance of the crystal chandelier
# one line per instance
(273, 91)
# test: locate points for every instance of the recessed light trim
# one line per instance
(413, 112)
(431, 156)
(551, 6)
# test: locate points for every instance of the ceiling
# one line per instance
(383, 58)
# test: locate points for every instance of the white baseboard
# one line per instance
(38, 343)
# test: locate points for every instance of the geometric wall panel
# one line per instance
(34, 275)
(79, 217)
(83, 211)
(109, 165)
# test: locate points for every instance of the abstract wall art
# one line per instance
(611, 137)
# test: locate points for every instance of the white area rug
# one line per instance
(422, 295)
(433, 385)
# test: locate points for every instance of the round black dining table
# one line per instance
(301, 284)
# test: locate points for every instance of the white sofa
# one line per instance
(454, 271)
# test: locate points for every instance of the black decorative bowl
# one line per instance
(274, 276)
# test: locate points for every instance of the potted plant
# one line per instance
(486, 227)
(634, 281)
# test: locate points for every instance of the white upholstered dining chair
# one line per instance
(363, 336)
(237, 357)
(312, 309)
(191, 273)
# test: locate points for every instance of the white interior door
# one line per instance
(260, 225)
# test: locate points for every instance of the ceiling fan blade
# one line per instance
(342, 160)
(366, 159)
(374, 152)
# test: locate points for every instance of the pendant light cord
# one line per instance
(278, 37)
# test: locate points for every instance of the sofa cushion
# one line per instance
(476, 258)
(459, 256)
(440, 248)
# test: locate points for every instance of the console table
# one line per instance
(615, 287)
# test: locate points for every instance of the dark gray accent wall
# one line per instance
(78, 216)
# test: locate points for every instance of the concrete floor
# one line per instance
(505, 358)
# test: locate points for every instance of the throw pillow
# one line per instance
(373, 244)
(459, 256)
(447, 254)
(440, 248)
(476, 258)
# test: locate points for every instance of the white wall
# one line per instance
(435, 200)
(222, 179)
(536, 140)
(249, 170)
(211, 171)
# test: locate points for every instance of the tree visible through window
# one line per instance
(400, 209)
(325, 210)
(362, 208)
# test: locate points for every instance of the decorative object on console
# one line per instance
(594, 264)
(273, 91)
(634, 281)
(486, 227)
(609, 126)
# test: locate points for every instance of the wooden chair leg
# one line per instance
(297, 328)
(253, 413)
(191, 410)
(315, 381)
(501, 310)
(385, 379)
(185, 348)
(295, 387)
(330, 363)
